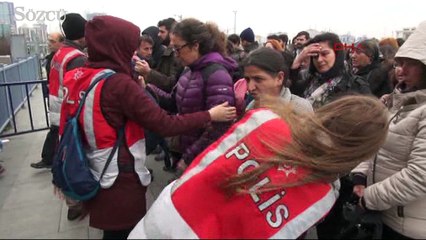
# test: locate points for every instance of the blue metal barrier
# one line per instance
(17, 81)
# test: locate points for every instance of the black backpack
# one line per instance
(347, 220)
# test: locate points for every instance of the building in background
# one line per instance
(7, 28)
(36, 38)
(314, 32)
(7, 16)
(405, 33)
(347, 38)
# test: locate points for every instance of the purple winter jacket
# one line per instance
(193, 96)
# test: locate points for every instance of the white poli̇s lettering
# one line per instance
(258, 185)
(247, 164)
(281, 214)
(241, 152)
(271, 201)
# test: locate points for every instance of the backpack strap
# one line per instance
(116, 146)
(205, 74)
(98, 77)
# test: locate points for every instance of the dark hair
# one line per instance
(168, 23)
(303, 33)
(145, 38)
(339, 64)
(207, 35)
(274, 37)
(269, 60)
(234, 38)
(283, 38)
(371, 48)
(400, 41)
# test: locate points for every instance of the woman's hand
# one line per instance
(141, 81)
(359, 190)
(385, 99)
(223, 113)
(142, 67)
(311, 50)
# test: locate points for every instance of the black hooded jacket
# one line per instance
(157, 48)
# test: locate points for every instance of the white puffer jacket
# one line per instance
(397, 176)
(399, 171)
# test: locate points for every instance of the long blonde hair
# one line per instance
(329, 143)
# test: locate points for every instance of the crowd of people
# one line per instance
(260, 136)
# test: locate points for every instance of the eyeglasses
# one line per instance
(177, 49)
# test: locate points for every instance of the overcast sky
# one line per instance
(373, 18)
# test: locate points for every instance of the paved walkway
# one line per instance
(28, 208)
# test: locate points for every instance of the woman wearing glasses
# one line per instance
(205, 82)
(396, 176)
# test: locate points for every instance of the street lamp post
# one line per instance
(235, 21)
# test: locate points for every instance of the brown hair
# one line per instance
(275, 44)
(207, 35)
(329, 143)
(389, 41)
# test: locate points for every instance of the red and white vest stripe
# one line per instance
(195, 206)
(57, 71)
(100, 136)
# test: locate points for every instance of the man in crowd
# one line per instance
(300, 41)
(55, 40)
(248, 40)
(69, 56)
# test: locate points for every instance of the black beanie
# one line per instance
(73, 26)
(247, 34)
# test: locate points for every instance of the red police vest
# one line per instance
(57, 71)
(99, 135)
(196, 206)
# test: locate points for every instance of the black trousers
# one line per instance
(389, 233)
(50, 145)
(120, 234)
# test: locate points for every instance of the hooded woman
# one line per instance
(395, 179)
(115, 103)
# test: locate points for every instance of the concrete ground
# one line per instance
(28, 208)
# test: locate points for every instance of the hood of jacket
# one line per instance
(214, 57)
(157, 48)
(111, 42)
(415, 46)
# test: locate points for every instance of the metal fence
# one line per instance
(17, 82)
